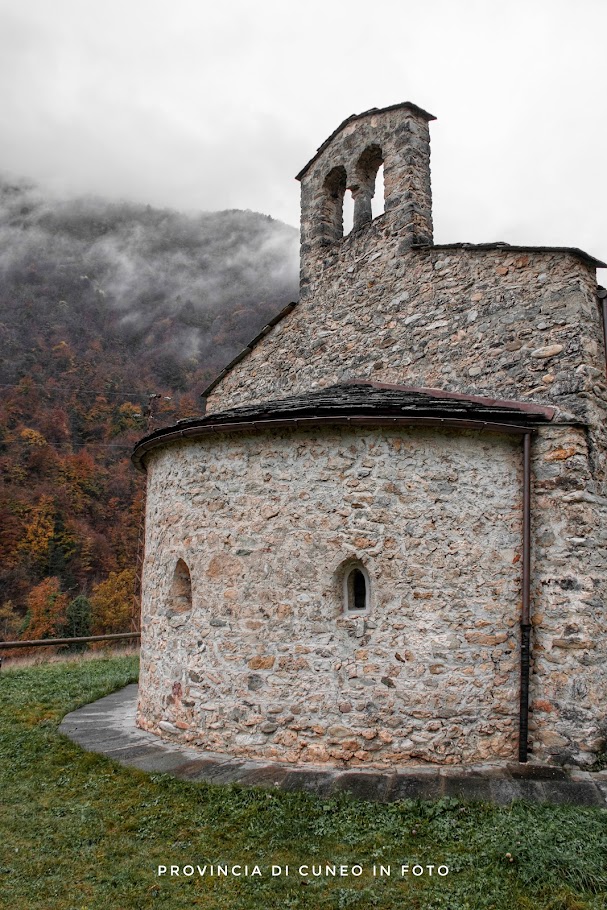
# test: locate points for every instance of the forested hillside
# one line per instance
(101, 306)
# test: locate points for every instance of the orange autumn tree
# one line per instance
(112, 603)
(47, 610)
(38, 535)
(10, 621)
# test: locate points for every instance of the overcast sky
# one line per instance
(212, 105)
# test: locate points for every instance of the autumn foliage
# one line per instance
(47, 611)
(112, 603)
(101, 306)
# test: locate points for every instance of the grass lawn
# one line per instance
(78, 832)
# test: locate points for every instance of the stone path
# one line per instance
(108, 726)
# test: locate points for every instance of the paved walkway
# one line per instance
(108, 726)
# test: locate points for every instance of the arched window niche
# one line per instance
(356, 589)
(180, 593)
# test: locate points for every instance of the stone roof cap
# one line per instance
(403, 105)
(359, 402)
(507, 247)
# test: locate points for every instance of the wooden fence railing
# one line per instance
(46, 642)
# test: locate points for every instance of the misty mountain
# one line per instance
(180, 293)
(101, 305)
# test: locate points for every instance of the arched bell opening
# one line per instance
(366, 185)
(332, 208)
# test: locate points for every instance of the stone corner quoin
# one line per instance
(335, 579)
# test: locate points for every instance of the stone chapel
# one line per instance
(383, 541)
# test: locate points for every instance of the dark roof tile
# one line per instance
(358, 401)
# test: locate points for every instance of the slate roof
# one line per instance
(383, 398)
(358, 402)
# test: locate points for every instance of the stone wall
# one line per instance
(569, 601)
(501, 323)
(267, 663)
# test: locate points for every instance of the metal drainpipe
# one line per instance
(602, 295)
(526, 601)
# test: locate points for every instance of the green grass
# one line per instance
(78, 832)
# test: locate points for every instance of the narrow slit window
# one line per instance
(359, 586)
(356, 590)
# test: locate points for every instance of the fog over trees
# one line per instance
(101, 305)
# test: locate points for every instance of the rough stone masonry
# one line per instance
(297, 486)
